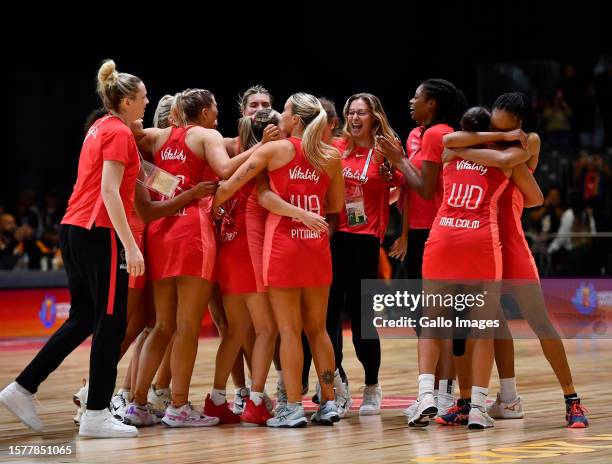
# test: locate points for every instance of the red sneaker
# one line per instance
(223, 412)
(256, 415)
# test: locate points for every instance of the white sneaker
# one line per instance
(22, 405)
(288, 417)
(186, 416)
(444, 403)
(424, 409)
(479, 419)
(372, 399)
(102, 424)
(409, 411)
(80, 401)
(281, 396)
(326, 414)
(344, 401)
(501, 410)
(139, 416)
(240, 397)
(118, 404)
(159, 399)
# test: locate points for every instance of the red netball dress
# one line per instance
(464, 240)
(294, 255)
(517, 258)
(183, 244)
(138, 231)
(241, 243)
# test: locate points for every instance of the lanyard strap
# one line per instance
(364, 173)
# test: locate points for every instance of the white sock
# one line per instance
(256, 397)
(338, 385)
(435, 392)
(92, 413)
(281, 381)
(508, 389)
(123, 390)
(426, 385)
(217, 396)
(479, 398)
(22, 390)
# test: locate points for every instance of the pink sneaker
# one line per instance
(186, 416)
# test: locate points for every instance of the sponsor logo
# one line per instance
(467, 165)
(169, 154)
(585, 299)
(308, 174)
(48, 311)
(348, 173)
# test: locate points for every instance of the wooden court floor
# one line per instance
(539, 438)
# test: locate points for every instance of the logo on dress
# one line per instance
(308, 174)
(348, 173)
(464, 164)
(170, 154)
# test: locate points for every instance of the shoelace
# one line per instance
(578, 409)
(453, 409)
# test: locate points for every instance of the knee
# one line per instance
(165, 328)
(288, 332)
(267, 332)
(314, 332)
(187, 328)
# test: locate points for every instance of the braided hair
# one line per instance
(450, 102)
(518, 104)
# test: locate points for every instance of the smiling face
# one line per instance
(422, 108)
(360, 119)
(255, 103)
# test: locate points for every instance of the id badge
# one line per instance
(355, 205)
(157, 180)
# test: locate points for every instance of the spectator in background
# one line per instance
(28, 213)
(52, 213)
(547, 218)
(557, 116)
(18, 248)
(571, 254)
(603, 86)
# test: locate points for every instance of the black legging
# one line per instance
(354, 257)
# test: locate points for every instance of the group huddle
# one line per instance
(277, 251)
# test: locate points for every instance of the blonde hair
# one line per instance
(189, 103)
(314, 120)
(162, 117)
(114, 86)
(381, 124)
(250, 130)
(254, 90)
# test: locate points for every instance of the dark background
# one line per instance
(378, 48)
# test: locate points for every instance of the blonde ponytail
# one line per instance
(114, 86)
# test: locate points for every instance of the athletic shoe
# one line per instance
(501, 410)
(118, 404)
(269, 403)
(409, 411)
(478, 419)
(288, 417)
(22, 405)
(444, 404)
(457, 415)
(281, 396)
(327, 414)
(139, 416)
(424, 409)
(222, 411)
(159, 399)
(80, 401)
(186, 416)
(343, 400)
(255, 415)
(575, 415)
(104, 425)
(372, 399)
(240, 398)
(316, 397)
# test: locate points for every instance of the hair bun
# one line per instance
(107, 72)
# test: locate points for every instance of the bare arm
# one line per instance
(217, 157)
(400, 246)
(146, 139)
(394, 195)
(335, 196)
(275, 204)
(149, 210)
(112, 175)
(464, 139)
(503, 159)
(523, 179)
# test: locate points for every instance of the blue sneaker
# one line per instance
(457, 415)
(575, 415)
